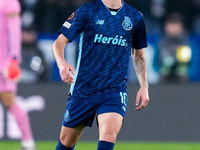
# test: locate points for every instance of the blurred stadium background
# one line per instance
(173, 73)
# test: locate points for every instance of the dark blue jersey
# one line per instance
(106, 39)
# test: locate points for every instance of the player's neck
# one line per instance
(114, 4)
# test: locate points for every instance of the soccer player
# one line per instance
(10, 45)
(110, 31)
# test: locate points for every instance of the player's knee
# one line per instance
(108, 136)
(8, 104)
(67, 143)
(8, 99)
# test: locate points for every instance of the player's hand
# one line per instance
(142, 97)
(65, 74)
(13, 71)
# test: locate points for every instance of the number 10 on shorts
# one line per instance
(124, 98)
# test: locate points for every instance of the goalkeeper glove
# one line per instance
(13, 71)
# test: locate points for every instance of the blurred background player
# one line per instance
(174, 50)
(33, 65)
(10, 57)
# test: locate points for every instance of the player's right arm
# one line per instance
(64, 67)
(72, 27)
(12, 12)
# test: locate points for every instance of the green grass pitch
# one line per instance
(14, 145)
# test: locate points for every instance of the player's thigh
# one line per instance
(70, 136)
(109, 126)
(7, 91)
(7, 98)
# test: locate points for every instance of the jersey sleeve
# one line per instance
(75, 24)
(139, 38)
(12, 6)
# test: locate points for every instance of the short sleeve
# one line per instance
(139, 38)
(75, 24)
(12, 6)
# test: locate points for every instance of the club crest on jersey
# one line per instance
(127, 24)
(66, 117)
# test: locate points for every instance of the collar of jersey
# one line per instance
(111, 11)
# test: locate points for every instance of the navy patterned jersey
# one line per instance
(106, 39)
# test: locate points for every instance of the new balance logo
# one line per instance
(100, 22)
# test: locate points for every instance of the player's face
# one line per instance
(173, 29)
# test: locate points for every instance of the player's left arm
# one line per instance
(140, 66)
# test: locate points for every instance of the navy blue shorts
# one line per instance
(82, 110)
